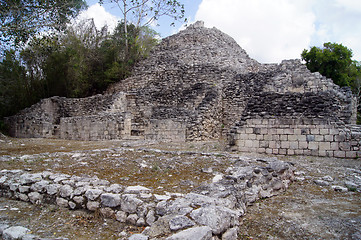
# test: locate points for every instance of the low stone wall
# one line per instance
(213, 209)
(297, 137)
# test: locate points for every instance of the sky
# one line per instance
(269, 30)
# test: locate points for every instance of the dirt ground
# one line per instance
(305, 211)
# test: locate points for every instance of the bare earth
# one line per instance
(305, 211)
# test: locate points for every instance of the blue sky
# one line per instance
(269, 30)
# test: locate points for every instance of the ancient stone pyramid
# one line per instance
(196, 85)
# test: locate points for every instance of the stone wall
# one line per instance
(214, 207)
(312, 137)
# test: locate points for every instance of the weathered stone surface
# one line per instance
(129, 203)
(14, 233)
(110, 199)
(219, 219)
(93, 194)
(61, 202)
(35, 197)
(195, 233)
(66, 191)
(52, 189)
(138, 237)
(180, 222)
(28, 178)
(92, 206)
(121, 216)
(230, 234)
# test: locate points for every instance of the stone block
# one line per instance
(340, 137)
(334, 131)
(324, 131)
(288, 131)
(310, 138)
(322, 153)
(290, 152)
(269, 150)
(259, 137)
(280, 131)
(297, 131)
(249, 130)
(334, 146)
(319, 138)
(351, 154)
(303, 145)
(283, 137)
(307, 152)
(345, 146)
(285, 144)
(313, 146)
(328, 138)
(339, 154)
(329, 153)
(264, 130)
(292, 138)
(252, 136)
(299, 152)
(249, 143)
(294, 145)
(324, 146)
(314, 152)
(261, 150)
(275, 151)
(282, 151)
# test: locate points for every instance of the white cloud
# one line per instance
(280, 29)
(101, 17)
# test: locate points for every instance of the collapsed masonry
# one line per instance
(198, 85)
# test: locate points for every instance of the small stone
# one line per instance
(35, 197)
(140, 222)
(72, 205)
(138, 237)
(93, 194)
(161, 197)
(129, 203)
(66, 191)
(230, 234)
(180, 222)
(114, 188)
(136, 189)
(132, 219)
(92, 206)
(321, 182)
(13, 233)
(110, 199)
(195, 233)
(107, 212)
(39, 186)
(327, 178)
(24, 189)
(78, 199)
(150, 218)
(23, 197)
(339, 189)
(28, 178)
(121, 216)
(61, 202)
(207, 170)
(52, 189)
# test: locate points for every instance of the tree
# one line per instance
(23, 19)
(333, 61)
(144, 12)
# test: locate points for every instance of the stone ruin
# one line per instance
(200, 85)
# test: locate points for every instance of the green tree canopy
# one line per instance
(22, 19)
(333, 61)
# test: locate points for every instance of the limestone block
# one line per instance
(61, 202)
(315, 131)
(324, 131)
(16, 232)
(324, 146)
(329, 153)
(328, 138)
(35, 197)
(283, 137)
(195, 233)
(290, 152)
(92, 205)
(110, 199)
(180, 222)
(319, 138)
(351, 154)
(322, 153)
(335, 146)
(288, 131)
(294, 145)
(340, 154)
(345, 146)
(282, 151)
(285, 144)
(219, 219)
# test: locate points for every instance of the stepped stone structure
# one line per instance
(198, 85)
